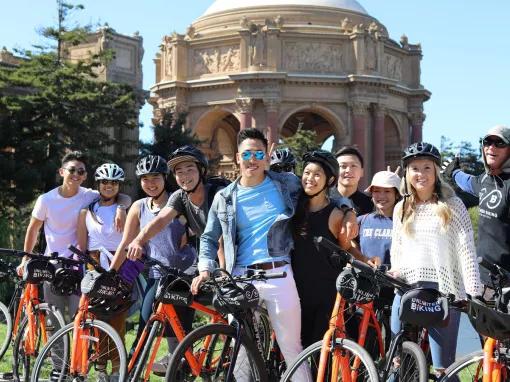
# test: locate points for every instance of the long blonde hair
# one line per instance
(407, 209)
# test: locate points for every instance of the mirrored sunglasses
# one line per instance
(74, 170)
(487, 142)
(258, 155)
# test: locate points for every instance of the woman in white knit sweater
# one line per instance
(432, 244)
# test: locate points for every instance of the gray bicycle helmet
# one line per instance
(191, 154)
(151, 164)
(109, 171)
(421, 149)
(282, 160)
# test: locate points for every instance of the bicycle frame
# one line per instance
(493, 370)
(29, 299)
(337, 331)
(166, 314)
(79, 360)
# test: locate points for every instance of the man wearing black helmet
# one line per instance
(493, 190)
(193, 199)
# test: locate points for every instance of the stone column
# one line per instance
(378, 153)
(245, 107)
(360, 126)
(272, 133)
(417, 119)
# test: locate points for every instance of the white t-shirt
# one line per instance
(60, 216)
(102, 232)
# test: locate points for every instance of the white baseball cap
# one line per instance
(386, 179)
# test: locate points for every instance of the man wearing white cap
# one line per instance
(376, 227)
(493, 190)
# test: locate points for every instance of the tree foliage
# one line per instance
(49, 106)
(299, 144)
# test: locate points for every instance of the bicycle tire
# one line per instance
(5, 329)
(142, 358)
(216, 362)
(44, 366)
(413, 365)
(309, 360)
(22, 363)
(467, 368)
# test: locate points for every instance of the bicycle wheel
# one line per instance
(139, 368)
(413, 365)
(211, 348)
(100, 350)
(5, 329)
(23, 357)
(468, 368)
(306, 366)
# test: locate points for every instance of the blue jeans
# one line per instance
(443, 340)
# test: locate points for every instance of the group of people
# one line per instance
(267, 218)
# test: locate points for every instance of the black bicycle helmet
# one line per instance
(282, 160)
(326, 160)
(151, 164)
(356, 287)
(421, 149)
(66, 281)
(188, 153)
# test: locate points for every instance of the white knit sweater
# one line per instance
(433, 253)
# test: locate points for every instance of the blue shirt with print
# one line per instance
(375, 236)
(256, 210)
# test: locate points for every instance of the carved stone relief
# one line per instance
(168, 60)
(258, 43)
(313, 57)
(371, 53)
(393, 66)
(216, 60)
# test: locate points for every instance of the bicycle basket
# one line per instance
(233, 297)
(38, 270)
(174, 290)
(66, 281)
(424, 307)
(356, 287)
(488, 321)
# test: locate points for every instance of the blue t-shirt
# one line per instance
(375, 236)
(256, 210)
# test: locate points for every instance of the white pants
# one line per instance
(284, 309)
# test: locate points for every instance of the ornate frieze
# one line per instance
(222, 59)
(313, 57)
(393, 67)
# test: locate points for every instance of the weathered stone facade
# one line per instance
(277, 65)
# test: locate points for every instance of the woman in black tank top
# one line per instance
(316, 215)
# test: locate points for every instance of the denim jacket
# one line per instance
(222, 221)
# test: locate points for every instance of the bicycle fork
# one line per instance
(237, 346)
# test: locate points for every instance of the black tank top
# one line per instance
(313, 273)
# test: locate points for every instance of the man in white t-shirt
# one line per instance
(58, 211)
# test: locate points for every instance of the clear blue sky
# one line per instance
(466, 46)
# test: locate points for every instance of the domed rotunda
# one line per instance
(282, 65)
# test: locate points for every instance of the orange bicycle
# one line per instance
(173, 290)
(490, 319)
(79, 350)
(337, 358)
(35, 320)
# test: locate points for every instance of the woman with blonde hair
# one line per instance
(432, 244)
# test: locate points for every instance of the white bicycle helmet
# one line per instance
(109, 171)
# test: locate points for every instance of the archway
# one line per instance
(218, 130)
(393, 149)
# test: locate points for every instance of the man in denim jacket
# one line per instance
(253, 216)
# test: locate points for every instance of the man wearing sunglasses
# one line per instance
(493, 190)
(58, 210)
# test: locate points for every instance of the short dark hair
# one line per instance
(251, 133)
(74, 155)
(350, 150)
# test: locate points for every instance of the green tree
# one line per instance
(49, 106)
(299, 144)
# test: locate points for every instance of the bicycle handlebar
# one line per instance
(86, 258)
(53, 256)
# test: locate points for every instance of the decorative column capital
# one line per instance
(244, 105)
(417, 117)
(379, 110)
(272, 104)
(359, 108)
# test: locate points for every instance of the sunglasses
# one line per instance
(258, 155)
(498, 143)
(79, 171)
(105, 182)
